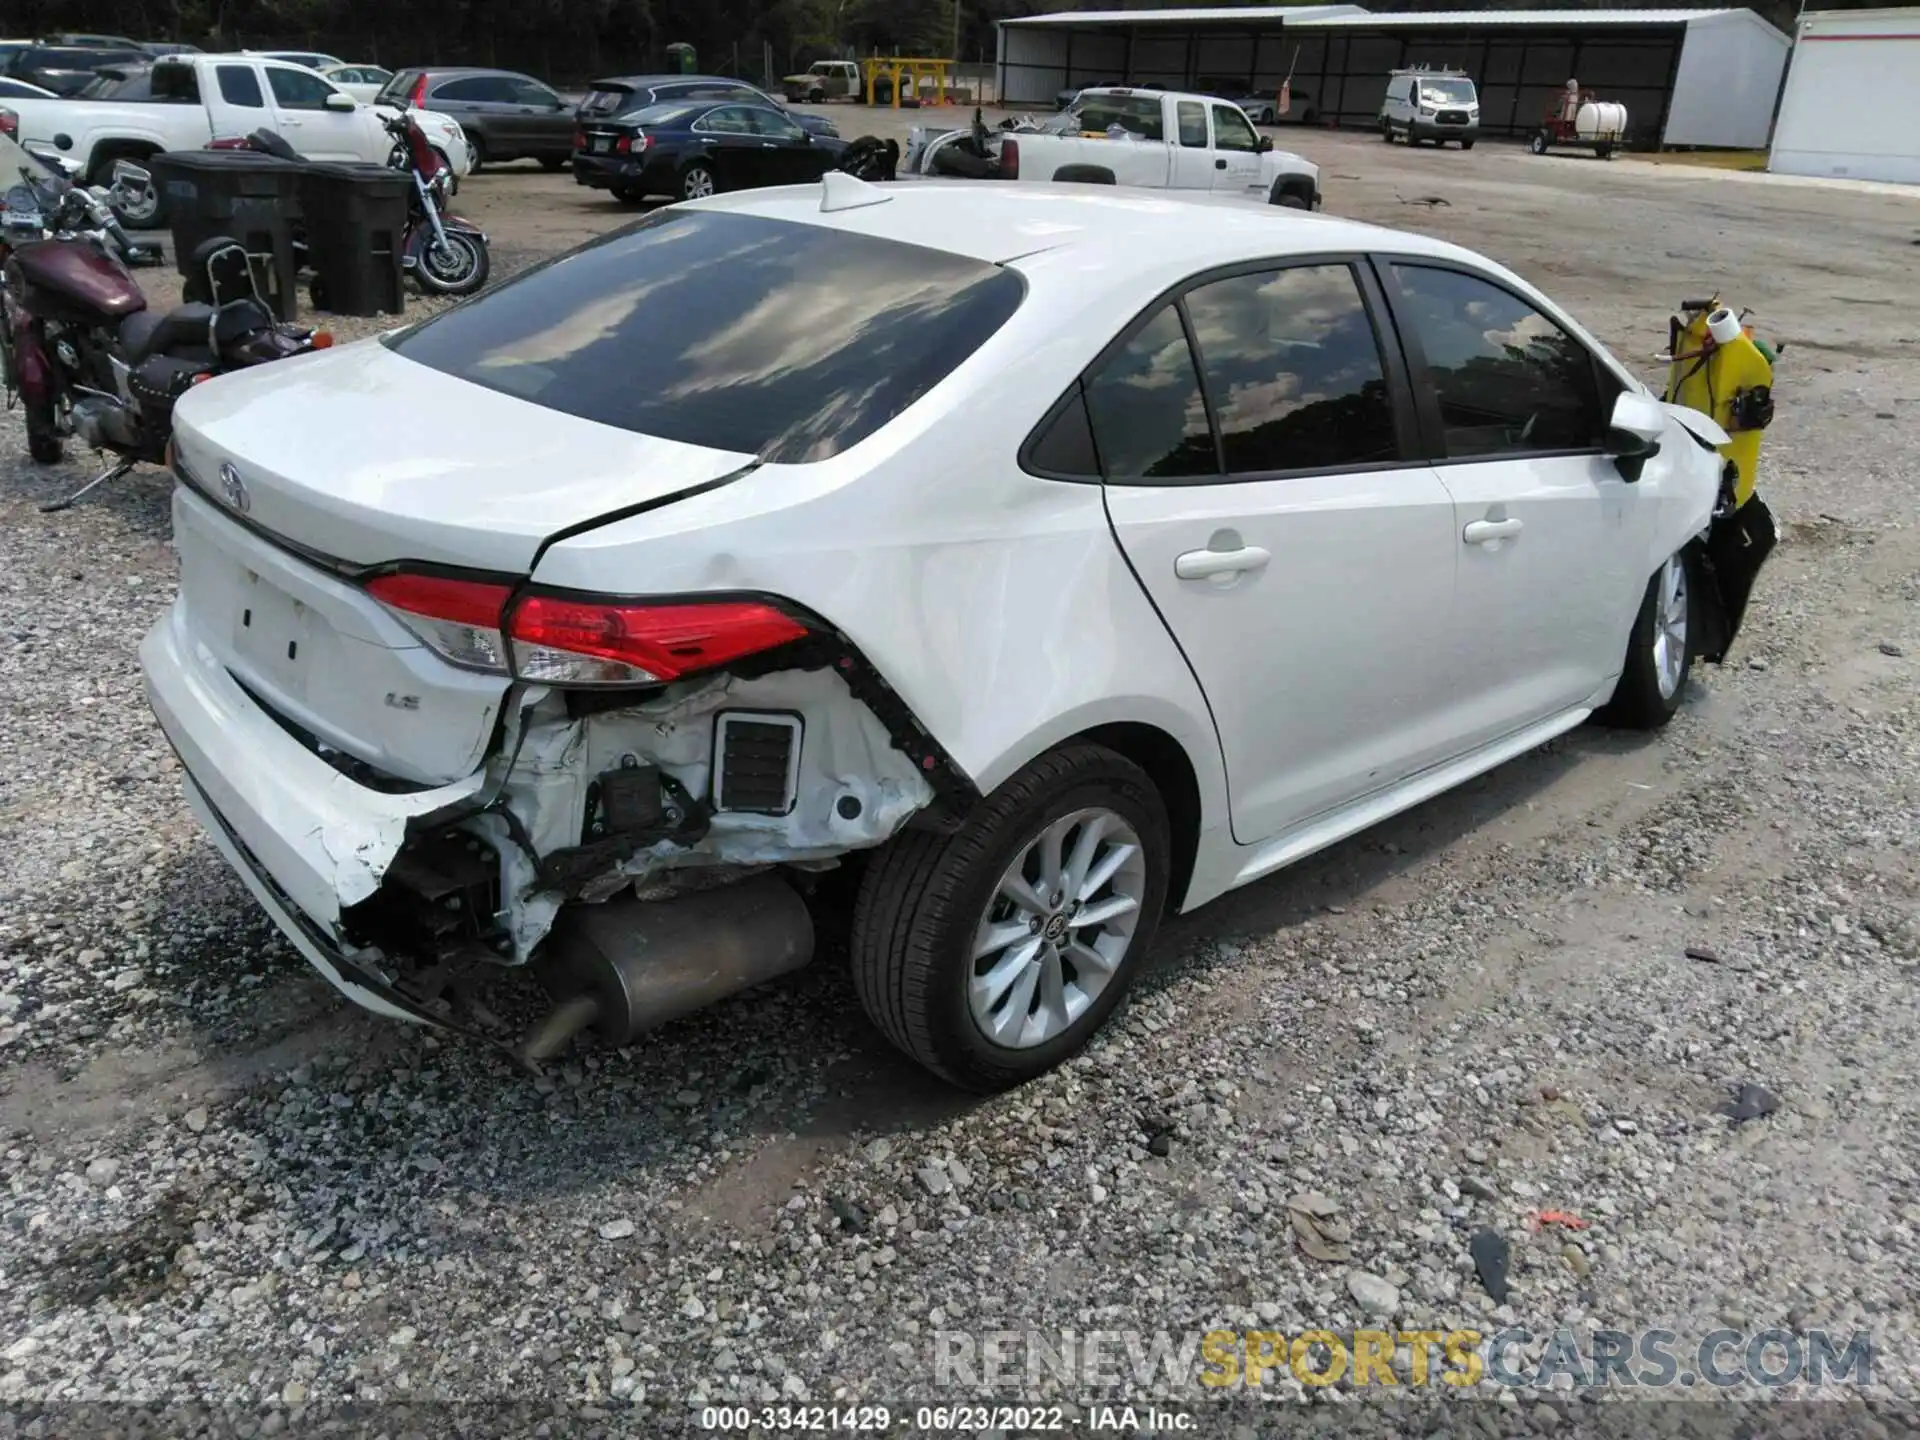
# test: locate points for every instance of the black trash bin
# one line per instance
(252, 197)
(356, 218)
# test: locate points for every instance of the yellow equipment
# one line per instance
(1721, 370)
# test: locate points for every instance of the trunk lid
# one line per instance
(362, 456)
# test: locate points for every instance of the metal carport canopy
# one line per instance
(1688, 76)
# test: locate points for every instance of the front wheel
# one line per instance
(1659, 651)
(456, 266)
(476, 154)
(993, 954)
(697, 182)
(629, 194)
(43, 438)
(1386, 132)
(1466, 144)
(816, 97)
(550, 163)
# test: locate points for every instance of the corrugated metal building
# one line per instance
(1852, 101)
(1687, 77)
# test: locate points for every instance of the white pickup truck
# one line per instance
(201, 98)
(1163, 140)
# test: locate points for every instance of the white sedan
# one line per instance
(1016, 563)
(363, 82)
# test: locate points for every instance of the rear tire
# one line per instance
(1660, 651)
(1538, 144)
(552, 165)
(928, 899)
(698, 181)
(1466, 144)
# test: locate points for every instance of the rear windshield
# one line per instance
(605, 100)
(790, 342)
(1138, 113)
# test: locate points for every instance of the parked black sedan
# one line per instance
(687, 151)
(619, 96)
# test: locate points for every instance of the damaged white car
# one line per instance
(1040, 557)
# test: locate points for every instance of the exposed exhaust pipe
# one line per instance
(630, 965)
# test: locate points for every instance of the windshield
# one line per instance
(1138, 114)
(734, 332)
(1446, 92)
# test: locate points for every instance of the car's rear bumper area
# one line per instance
(309, 841)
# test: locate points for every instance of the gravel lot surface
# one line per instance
(223, 1185)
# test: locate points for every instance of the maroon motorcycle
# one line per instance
(79, 348)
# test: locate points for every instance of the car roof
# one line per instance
(999, 222)
(649, 81)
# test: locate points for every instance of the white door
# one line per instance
(1549, 531)
(1302, 563)
(1236, 153)
(1193, 157)
(300, 114)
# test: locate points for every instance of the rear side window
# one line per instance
(1149, 417)
(239, 85)
(1508, 379)
(175, 84)
(475, 88)
(790, 342)
(609, 102)
(1192, 116)
(1293, 370)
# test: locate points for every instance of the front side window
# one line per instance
(1149, 418)
(523, 91)
(727, 120)
(736, 332)
(1192, 117)
(772, 125)
(1294, 371)
(1231, 130)
(1508, 379)
(299, 89)
(240, 85)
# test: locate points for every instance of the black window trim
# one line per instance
(1408, 435)
(1432, 442)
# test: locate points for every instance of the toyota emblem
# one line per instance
(234, 488)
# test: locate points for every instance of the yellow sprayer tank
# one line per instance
(1720, 370)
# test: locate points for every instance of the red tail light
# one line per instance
(579, 139)
(458, 619)
(419, 93)
(627, 144)
(1009, 159)
(229, 142)
(9, 123)
(565, 641)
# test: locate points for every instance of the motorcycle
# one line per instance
(445, 254)
(80, 350)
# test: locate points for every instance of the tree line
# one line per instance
(569, 41)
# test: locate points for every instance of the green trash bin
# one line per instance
(680, 58)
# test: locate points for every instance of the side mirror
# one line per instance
(1634, 432)
(1266, 143)
(340, 102)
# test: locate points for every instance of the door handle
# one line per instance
(1220, 164)
(1206, 564)
(1485, 532)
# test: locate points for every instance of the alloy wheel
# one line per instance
(698, 184)
(1670, 627)
(1057, 928)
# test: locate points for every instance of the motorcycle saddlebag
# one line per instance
(156, 383)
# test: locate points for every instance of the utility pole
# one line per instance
(956, 30)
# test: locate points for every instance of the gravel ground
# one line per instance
(224, 1186)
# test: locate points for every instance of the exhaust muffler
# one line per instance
(629, 965)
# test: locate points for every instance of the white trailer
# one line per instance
(1851, 106)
